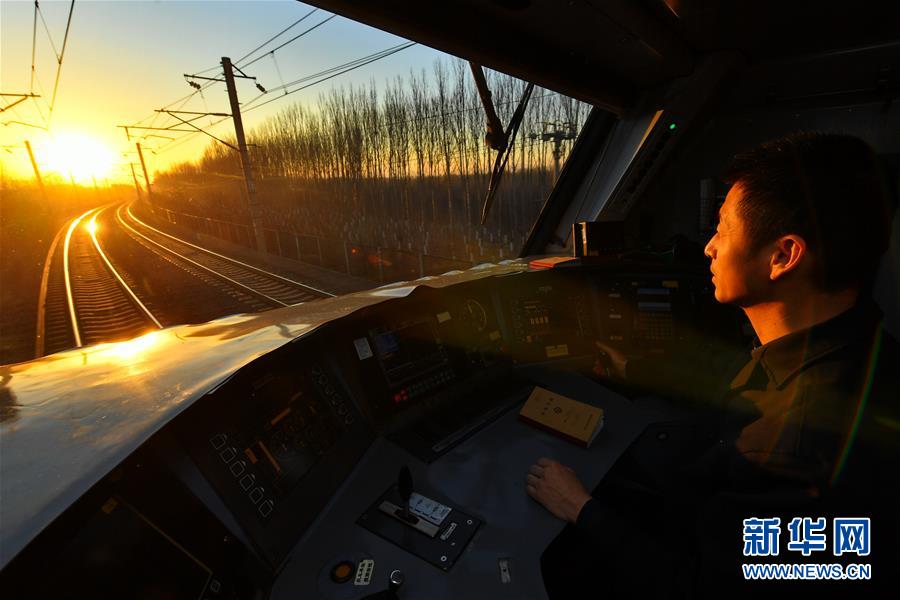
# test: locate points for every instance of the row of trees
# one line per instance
(405, 164)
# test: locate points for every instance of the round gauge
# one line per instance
(476, 314)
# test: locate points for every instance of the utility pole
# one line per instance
(146, 177)
(37, 172)
(255, 216)
(137, 186)
(557, 133)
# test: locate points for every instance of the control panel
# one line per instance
(548, 320)
(639, 314)
(404, 360)
(296, 426)
(276, 444)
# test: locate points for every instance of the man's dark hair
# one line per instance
(826, 188)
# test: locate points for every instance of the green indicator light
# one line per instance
(672, 126)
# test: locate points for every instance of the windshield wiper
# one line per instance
(497, 138)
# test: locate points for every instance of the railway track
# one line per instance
(146, 279)
(84, 300)
(269, 287)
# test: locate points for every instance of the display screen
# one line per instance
(408, 351)
(296, 428)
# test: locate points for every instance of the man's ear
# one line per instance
(787, 255)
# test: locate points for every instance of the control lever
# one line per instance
(394, 582)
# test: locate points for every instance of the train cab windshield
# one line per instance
(485, 299)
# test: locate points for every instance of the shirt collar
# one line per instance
(782, 358)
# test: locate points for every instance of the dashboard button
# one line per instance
(265, 509)
(256, 495)
(237, 468)
(343, 571)
(247, 481)
(218, 440)
(227, 455)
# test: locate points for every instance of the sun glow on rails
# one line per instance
(78, 157)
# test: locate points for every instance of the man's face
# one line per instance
(741, 277)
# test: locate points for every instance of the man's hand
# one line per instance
(556, 487)
(610, 364)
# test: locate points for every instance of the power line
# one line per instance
(276, 36)
(293, 39)
(320, 77)
(381, 55)
(355, 62)
(33, 45)
(155, 115)
(178, 141)
(60, 56)
(183, 100)
(47, 29)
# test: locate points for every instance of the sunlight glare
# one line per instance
(134, 349)
(79, 157)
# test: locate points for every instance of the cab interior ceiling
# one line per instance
(616, 53)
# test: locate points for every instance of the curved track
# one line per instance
(151, 280)
(84, 300)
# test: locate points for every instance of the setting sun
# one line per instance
(79, 157)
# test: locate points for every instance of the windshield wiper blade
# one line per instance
(503, 155)
(497, 138)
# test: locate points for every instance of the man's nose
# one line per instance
(709, 251)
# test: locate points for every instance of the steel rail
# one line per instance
(73, 318)
(232, 260)
(194, 263)
(92, 229)
(39, 342)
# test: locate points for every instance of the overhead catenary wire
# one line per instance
(152, 117)
(274, 37)
(61, 55)
(34, 64)
(353, 63)
(206, 85)
(155, 115)
(332, 76)
(320, 77)
(271, 39)
(290, 41)
(33, 47)
(46, 28)
(58, 53)
(277, 70)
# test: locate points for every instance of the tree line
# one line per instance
(404, 164)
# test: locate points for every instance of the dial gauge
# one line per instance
(475, 314)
